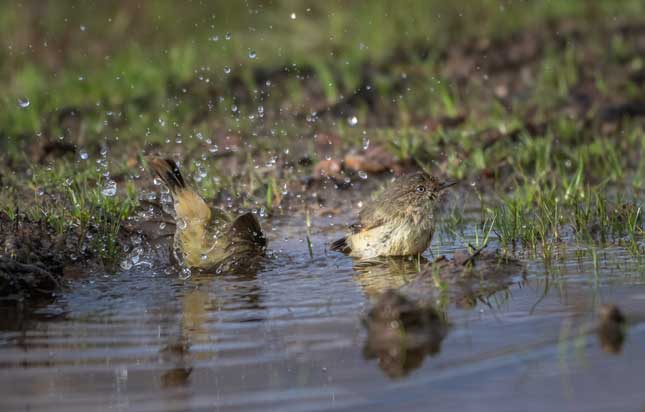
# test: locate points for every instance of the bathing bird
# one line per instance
(206, 237)
(399, 222)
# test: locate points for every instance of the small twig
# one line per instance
(474, 254)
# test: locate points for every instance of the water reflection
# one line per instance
(611, 331)
(375, 277)
(176, 354)
(203, 297)
(409, 319)
(401, 332)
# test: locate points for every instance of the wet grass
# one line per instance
(76, 202)
(542, 132)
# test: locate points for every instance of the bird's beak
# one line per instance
(445, 185)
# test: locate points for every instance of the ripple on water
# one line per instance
(290, 338)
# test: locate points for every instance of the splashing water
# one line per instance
(109, 189)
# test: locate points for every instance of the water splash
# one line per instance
(109, 189)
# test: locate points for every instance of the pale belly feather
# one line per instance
(394, 239)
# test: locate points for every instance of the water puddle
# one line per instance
(291, 337)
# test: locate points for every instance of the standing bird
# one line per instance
(207, 237)
(400, 222)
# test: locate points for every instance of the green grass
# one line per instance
(77, 204)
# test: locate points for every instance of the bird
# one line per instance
(206, 237)
(399, 222)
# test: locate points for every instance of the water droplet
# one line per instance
(181, 224)
(227, 70)
(82, 153)
(215, 38)
(167, 206)
(362, 174)
(185, 273)
(293, 16)
(23, 102)
(162, 225)
(109, 189)
(126, 264)
(228, 36)
(352, 121)
(366, 143)
(252, 54)
(83, 27)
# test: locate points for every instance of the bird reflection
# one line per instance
(611, 330)
(205, 296)
(461, 280)
(401, 333)
(377, 276)
(178, 355)
(408, 320)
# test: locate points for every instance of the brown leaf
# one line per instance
(328, 167)
(376, 159)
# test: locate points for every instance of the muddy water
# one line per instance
(290, 338)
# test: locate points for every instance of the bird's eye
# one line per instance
(421, 189)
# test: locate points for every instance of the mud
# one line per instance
(36, 259)
(32, 258)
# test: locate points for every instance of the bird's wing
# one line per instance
(246, 228)
(368, 218)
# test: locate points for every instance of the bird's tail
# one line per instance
(168, 171)
(341, 245)
(188, 203)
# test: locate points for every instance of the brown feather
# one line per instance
(247, 228)
(341, 245)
